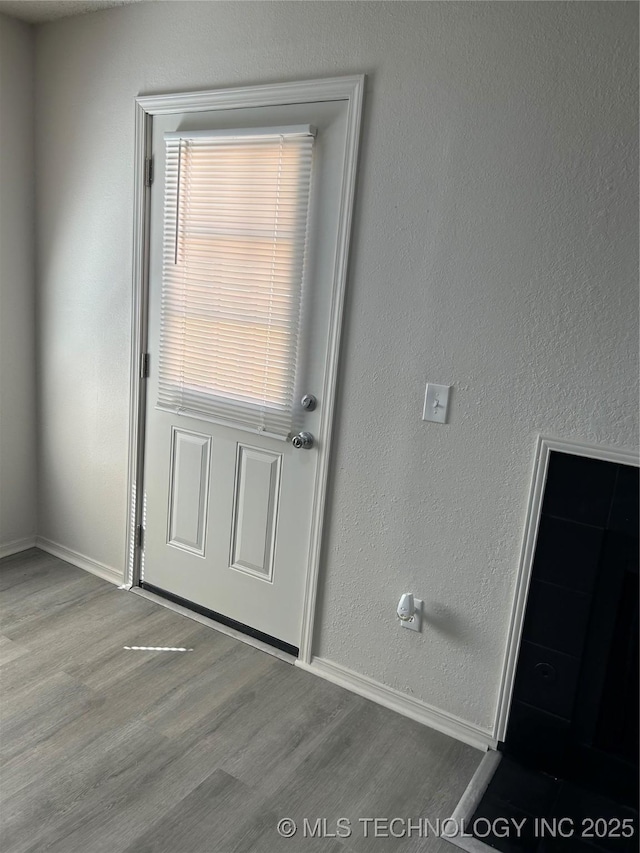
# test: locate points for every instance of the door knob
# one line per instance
(302, 441)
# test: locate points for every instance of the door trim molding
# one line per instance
(544, 446)
(348, 89)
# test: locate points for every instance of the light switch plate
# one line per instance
(436, 403)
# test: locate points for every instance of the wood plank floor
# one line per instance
(105, 749)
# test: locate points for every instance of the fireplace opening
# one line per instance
(571, 748)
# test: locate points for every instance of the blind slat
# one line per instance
(235, 237)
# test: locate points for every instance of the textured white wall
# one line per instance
(494, 249)
(18, 501)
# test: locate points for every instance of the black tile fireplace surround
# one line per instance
(572, 741)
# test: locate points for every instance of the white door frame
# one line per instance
(348, 89)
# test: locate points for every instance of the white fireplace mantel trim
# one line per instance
(544, 446)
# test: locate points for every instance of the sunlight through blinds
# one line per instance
(235, 238)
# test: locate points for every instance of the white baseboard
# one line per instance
(17, 545)
(103, 571)
(403, 704)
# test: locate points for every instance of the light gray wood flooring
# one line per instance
(106, 750)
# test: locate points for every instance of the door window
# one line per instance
(235, 238)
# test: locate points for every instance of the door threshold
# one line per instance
(262, 642)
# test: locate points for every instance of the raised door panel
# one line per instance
(188, 490)
(255, 512)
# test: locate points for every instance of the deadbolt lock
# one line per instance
(308, 402)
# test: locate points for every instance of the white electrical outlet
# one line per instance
(436, 402)
(415, 623)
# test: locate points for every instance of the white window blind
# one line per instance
(236, 223)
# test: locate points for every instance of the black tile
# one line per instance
(567, 553)
(603, 773)
(548, 843)
(556, 617)
(530, 791)
(625, 509)
(547, 679)
(514, 830)
(579, 489)
(537, 738)
(585, 808)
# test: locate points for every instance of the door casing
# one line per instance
(348, 89)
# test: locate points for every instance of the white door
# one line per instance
(228, 499)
